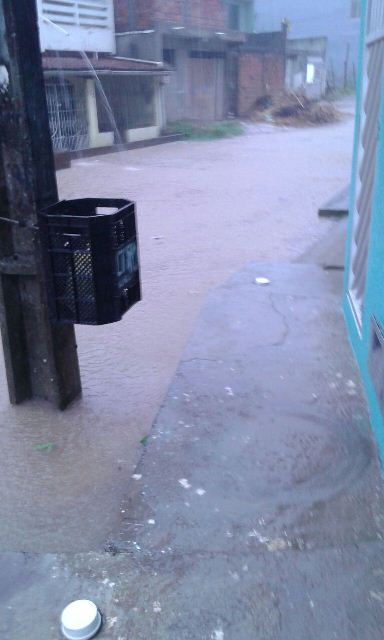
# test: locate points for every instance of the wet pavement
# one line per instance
(322, 595)
(205, 209)
(256, 510)
(253, 508)
(263, 440)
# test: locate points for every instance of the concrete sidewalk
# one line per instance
(256, 511)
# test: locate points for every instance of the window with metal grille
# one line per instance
(67, 114)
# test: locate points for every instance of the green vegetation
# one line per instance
(46, 446)
(206, 131)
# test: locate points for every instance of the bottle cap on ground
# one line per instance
(262, 281)
(80, 620)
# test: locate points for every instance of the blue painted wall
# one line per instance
(307, 18)
(374, 293)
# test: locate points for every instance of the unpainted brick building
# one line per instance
(209, 46)
(261, 69)
(147, 14)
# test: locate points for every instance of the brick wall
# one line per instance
(207, 13)
(144, 14)
(136, 14)
(149, 12)
(121, 15)
(260, 74)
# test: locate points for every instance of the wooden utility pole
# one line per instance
(40, 356)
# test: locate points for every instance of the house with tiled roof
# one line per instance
(95, 98)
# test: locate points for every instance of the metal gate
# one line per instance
(368, 137)
(67, 114)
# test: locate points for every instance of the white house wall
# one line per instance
(76, 25)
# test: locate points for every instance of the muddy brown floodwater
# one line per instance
(205, 209)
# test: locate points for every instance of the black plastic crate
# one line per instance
(91, 259)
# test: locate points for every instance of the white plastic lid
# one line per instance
(80, 620)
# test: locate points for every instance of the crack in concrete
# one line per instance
(293, 544)
(281, 341)
(200, 360)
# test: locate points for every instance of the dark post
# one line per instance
(40, 356)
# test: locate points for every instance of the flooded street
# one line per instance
(205, 210)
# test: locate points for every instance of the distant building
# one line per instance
(117, 70)
(306, 71)
(337, 20)
(216, 69)
(194, 39)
